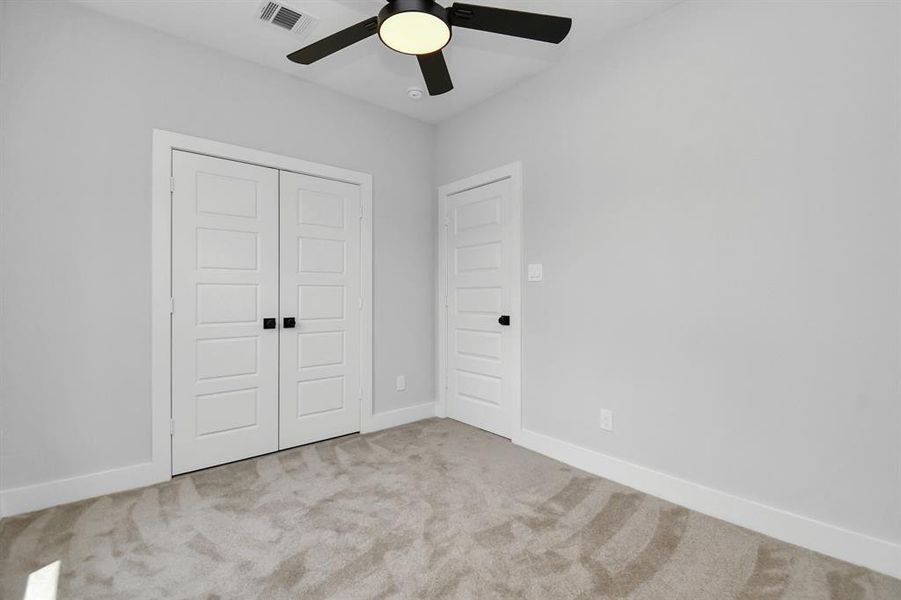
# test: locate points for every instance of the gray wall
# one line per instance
(715, 197)
(81, 94)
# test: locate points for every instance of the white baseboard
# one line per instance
(62, 491)
(879, 555)
(400, 416)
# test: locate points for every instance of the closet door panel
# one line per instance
(321, 291)
(224, 283)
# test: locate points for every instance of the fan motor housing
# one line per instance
(429, 7)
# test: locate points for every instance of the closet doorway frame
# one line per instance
(164, 143)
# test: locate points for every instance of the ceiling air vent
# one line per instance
(289, 19)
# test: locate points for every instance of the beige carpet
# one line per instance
(435, 509)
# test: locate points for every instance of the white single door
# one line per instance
(224, 282)
(321, 290)
(481, 268)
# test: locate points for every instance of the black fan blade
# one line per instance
(434, 70)
(337, 41)
(544, 28)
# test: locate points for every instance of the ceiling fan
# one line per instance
(423, 28)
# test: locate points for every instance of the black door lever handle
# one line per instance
(289, 323)
(269, 323)
(504, 320)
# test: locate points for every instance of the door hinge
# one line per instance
(445, 381)
(171, 305)
(171, 426)
(172, 184)
(359, 304)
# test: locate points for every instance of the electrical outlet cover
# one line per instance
(606, 419)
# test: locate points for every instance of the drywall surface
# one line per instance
(714, 195)
(81, 95)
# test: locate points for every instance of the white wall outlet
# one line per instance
(536, 272)
(606, 419)
(401, 383)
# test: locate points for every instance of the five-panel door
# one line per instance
(321, 295)
(266, 285)
(480, 277)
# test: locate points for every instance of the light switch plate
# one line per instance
(401, 383)
(536, 272)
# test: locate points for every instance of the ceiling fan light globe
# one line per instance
(414, 26)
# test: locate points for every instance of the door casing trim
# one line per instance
(513, 172)
(164, 142)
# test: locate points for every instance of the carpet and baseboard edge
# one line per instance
(877, 554)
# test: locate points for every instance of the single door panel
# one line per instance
(321, 289)
(480, 272)
(224, 282)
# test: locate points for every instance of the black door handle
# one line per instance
(504, 320)
(269, 323)
(289, 323)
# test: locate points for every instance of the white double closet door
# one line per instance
(266, 286)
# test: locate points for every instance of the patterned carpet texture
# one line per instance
(434, 509)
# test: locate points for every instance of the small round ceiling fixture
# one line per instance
(414, 26)
(415, 93)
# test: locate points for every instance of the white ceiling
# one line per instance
(481, 64)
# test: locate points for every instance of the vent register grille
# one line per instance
(287, 18)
